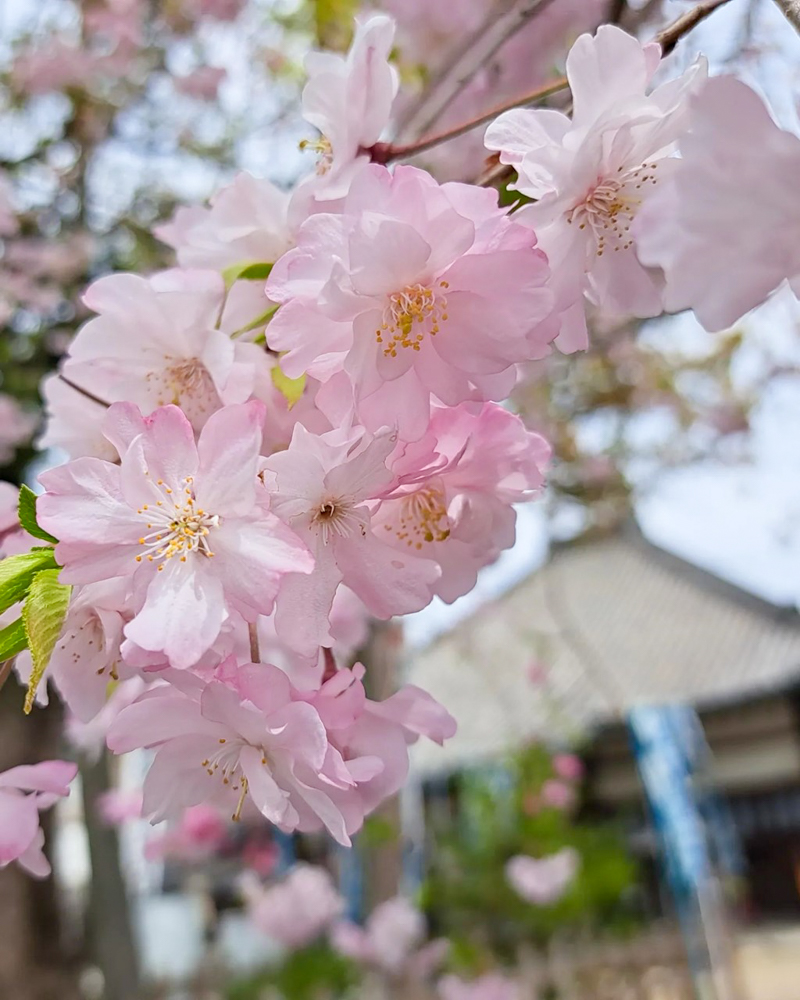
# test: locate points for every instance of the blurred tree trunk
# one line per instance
(36, 961)
(383, 859)
(110, 931)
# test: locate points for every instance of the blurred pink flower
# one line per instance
(568, 766)
(543, 881)
(218, 10)
(557, 794)
(390, 940)
(8, 219)
(24, 792)
(296, 910)
(199, 833)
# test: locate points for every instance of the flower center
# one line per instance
(611, 206)
(423, 518)
(337, 516)
(322, 147)
(224, 763)
(176, 526)
(409, 315)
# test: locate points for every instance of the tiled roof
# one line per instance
(615, 622)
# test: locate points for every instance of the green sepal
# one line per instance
(43, 616)
(26, 511)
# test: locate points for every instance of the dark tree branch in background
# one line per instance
(386, 152)
(615, 11)
(5, 671)
(791, 8)
(493, 33)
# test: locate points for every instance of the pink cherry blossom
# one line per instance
(726, 227)
(187, 523)
(461, 514)
(590, 175)
(390, 940)
(491, 986)
(297, 910)
(349, 99)
(415, 289)
(568, 767)
(322, 487)
(9, 224)
(87, 657)
(218, 10)
(543, 881)
(89, 738)
(246, 221)
(24, 792)
(156, 341)
(215, 748)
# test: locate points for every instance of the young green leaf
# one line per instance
(27, 516)
(13, 639)
(17, 574)
(246, 271)
(43, 615)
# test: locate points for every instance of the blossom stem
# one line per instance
(386, 152)
(791, 9)
(330, 664)
(255, 648)
(83, 392)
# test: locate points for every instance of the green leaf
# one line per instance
(247, 270)
(43, 615)
(17, 574)
(27, 516)
(254, 324)
(13, 639)
(291, 388)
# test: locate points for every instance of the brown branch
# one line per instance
(672, 34)
(386, 152)
(791, 10)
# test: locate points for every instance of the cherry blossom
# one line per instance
(568, 767)
(461, 514)
(415, 289)
(156, 341)
(543, 881)
(390, 940)
(186, 522)
(349, 99)
(215, 748)
(322, 486)
(24, 792)
(297, 910)
(591, 174)
(738, 175)
(199, 833)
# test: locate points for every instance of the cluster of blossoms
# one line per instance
(301, 425)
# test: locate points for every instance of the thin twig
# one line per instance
(791, 10)
(491, 36)
(83, 392)
(255, 648)
(672, 34)
(330, 668)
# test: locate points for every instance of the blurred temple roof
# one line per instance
(611, 623)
